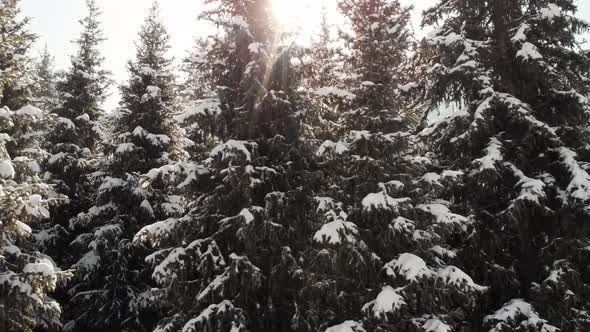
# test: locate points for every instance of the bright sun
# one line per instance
(300, 16)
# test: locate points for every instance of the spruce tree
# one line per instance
(229, 263)
(321, 68)
(77, 131)
(15, 61)
(112, 292)
(26, 276)
(44, 87)
(385, 246)
(521, 139)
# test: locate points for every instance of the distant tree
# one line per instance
(44, 87)
(379, 44)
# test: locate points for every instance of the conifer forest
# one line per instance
(374, 179)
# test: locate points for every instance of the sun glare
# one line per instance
(299, 16)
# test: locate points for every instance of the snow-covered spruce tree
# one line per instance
(26, 276)
(112, 292)
(230, 262)
(74, 137)
(321, 68)
(521, 138)
(44, 85)
(146, 130)
(198, 85)
(14, 58)
(384, 253)
(378, 41)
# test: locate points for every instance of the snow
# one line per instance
(31, 111)
(125, 148)
(531, 190)
(442, 214)
(435, 325)
(206, 316)
(156, 230)
(34, 206)
(407, 87)
(165, 272)
(493, 155)
(333, 91)
(153, 91)
(230, 149)
(110, 183)
(336, 232)
(42, 266)
(210, 106)
(402, 225)
(67, 123)
(239, 21)
(551, 12)
(432, 179)
(388, 300)
(483, 107)
(248, 216)
(392, 186)
(555, 276)
(579, 185)
(408, 266)
(6, 169)
(147, 71)
(433, 128)
(325, 204)
(471, 64)
(5, 113)
(453, 276)
(13, 281)
(4, 137)
(84, 117)
(338, 148)
(520, 35)
(88, 262)
(58, 157)
(447, 40)
(158, 140)
(108, 231)
(347, 326)
(10, 249)
(382, 201)
(512, 310)
(139, 132)
(189, 170)
(256, 48)
(173, 205)
(46, 236)
(529, 52)
(443, 252)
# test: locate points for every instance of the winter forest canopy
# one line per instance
(375, 179)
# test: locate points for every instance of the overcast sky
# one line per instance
(56, 24)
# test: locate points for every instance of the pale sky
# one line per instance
(56, 24)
